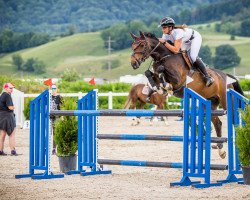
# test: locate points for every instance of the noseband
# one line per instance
(144, 52)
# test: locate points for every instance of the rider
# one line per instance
(184, 38)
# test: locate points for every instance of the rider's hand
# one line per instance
(161, 40)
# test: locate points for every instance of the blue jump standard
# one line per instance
(39, 176)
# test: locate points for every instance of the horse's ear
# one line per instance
(142, 35)
(134, 36)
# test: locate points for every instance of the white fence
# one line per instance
(18, 100)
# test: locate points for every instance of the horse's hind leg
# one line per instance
(218, 128)
(137, 120)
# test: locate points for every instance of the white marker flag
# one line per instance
(189, 80)
(230, 80)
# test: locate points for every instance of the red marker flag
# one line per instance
(48, 82)
(92, 82)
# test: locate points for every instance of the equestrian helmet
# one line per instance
(167, 21)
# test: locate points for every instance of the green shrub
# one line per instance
(245, 84)
(243, 138)
(66, 131)
(114, 87)
(26, 110)
(103, 102)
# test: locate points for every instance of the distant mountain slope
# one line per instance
(55, 16)
(227, 10)
(86, 54)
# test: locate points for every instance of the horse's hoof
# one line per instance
(166, 123)
(214, 146)
(222, 154)
(135, 124)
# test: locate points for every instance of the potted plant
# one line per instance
(66, 138)
(243, 144)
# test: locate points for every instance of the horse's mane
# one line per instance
(150, 35)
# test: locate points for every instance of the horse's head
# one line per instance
(143, 46)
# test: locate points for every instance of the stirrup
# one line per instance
(148, 99)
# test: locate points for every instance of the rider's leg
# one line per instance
(194, 51)
(149, 76)
(151, 81)
(160, 71)
(202, 67)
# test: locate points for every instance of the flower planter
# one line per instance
(67, 163)
(246, 175)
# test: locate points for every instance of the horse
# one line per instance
(138, 98)
(176, 70)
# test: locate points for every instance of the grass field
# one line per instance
(86, 54)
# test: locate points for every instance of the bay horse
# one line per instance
(176, 70)
(137, 99)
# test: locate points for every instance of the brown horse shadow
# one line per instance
(137, 99)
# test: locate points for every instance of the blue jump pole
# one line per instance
(141, 163)
(174, 138)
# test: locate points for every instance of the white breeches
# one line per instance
(194, 46)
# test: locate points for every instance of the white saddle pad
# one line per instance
(145, 90)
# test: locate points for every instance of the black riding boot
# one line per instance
(151, 81)
(202, 67)
(149, 76)
(160, 71)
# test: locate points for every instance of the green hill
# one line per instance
(86, 54)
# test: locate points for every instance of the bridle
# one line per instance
(145, 52)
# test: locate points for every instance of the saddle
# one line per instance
(187, 59)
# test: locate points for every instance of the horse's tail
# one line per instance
(236, 85)
(128, 102)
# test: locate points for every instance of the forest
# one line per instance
(56, 16)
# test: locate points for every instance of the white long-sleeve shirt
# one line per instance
(193, 46)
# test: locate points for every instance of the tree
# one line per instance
(245, 28)
(225, 57)
(71, 29)
(70, 75)
(206, 54)
(39, 67)
(29, 65)
(38, 39)
(17, 61)
(120, 33)
(34, 65)
(186, 16)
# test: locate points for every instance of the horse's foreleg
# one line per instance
(135, 120)
(164, 118)
(218, 128)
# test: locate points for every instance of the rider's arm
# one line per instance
(174, 48)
